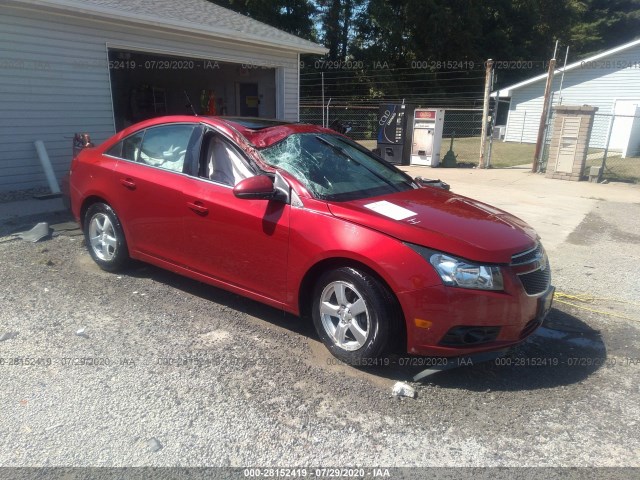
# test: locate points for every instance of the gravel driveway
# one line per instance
(147, 368)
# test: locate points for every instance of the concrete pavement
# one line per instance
(25, 208)
(553, 207)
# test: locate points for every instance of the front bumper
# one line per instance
(431, 313)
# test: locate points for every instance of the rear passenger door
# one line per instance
(152, 174)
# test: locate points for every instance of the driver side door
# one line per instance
(240, 242)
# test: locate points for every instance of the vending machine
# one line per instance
(426, 136)
(394, 138)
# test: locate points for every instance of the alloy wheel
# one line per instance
(344, 315)
(102, 237)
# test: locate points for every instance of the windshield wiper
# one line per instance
(346, 154)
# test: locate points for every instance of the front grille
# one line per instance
(469, 336)
(530, 327)
(536, 282)
(538, 278)
(528, 256)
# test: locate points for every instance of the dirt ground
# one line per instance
(146, 368)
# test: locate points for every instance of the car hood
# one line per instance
(443, 221)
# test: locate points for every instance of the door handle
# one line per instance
(198, 207)
(127, 182)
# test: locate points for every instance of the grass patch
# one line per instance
(503, 154)
(468, 150)
(510, 154)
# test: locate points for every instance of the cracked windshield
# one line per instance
(333, 168)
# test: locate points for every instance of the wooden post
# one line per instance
(485, 110)
(544, 116)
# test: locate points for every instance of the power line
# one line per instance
(384, 82)
(387, 74)
(446, 72)
(433, 94)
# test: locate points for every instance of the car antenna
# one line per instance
(189, 104)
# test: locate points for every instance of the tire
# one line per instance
(104, 238)
(352, 312)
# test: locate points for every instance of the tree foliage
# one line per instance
(401, 32)
(292, 16)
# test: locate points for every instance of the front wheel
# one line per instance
(352, 311)
(105, 238)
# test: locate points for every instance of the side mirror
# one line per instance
(258, 187)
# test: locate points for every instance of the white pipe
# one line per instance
(564, 68)
(322, 75)
(46, 165)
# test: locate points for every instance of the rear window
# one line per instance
(164, 146)
(128, 148)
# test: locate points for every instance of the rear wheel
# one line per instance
(105, 238)
(352, 311)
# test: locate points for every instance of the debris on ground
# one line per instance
(54, 427)
(82, 333)
(401, 389)
(8, 336)
(154, 444)
(37, 233)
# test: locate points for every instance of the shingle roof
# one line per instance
(198, 16)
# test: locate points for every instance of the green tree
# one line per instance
(292, 16)
(604, 24)
(337, 18)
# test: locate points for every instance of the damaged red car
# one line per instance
(304, 219)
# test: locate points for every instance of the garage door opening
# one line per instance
(145, 85)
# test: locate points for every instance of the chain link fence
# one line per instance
(614, 145)
(363, 119)
(461, 129)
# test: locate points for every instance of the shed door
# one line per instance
(568, 144)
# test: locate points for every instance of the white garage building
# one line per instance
(97, 66)
(609, 80)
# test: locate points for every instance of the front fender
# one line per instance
(317, 236)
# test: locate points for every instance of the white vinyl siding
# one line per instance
(598, 87)
(54, 81)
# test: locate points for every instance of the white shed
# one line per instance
(97, 66)
(609, 80)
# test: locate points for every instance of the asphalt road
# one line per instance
(147, 368)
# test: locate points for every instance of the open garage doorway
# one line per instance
(146, 85)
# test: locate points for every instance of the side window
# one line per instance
(165, 146)
(127, 148)
(222, 162)
(131, 146)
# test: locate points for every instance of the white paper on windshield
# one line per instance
(390, 210)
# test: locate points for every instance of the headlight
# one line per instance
(456, 272)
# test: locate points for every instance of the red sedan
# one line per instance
(303, 219)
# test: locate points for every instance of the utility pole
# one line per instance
(545, 112)
(485, 110)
